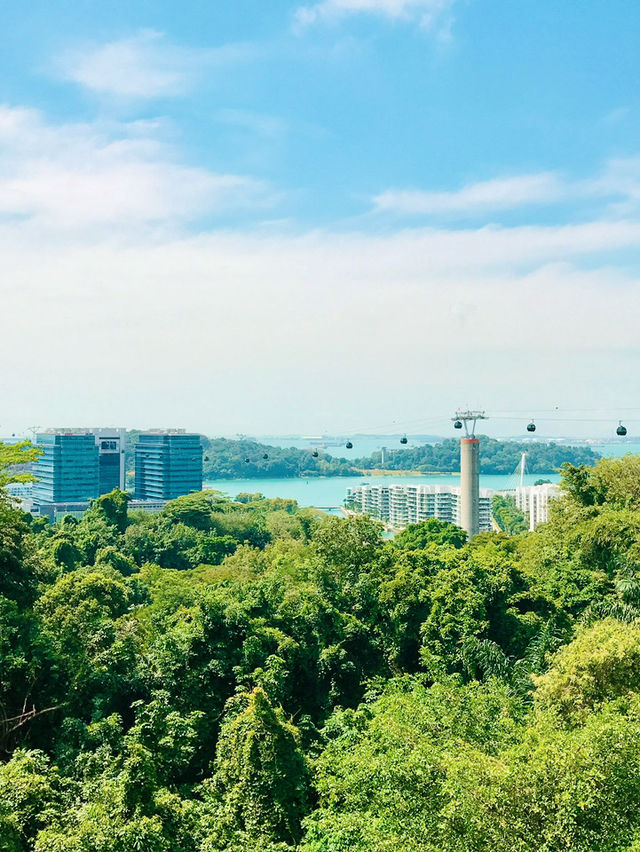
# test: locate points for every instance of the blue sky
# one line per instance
(318, 216)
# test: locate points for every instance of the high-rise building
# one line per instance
(168, 465)
(58, 464)
(68, 470)
(111, 448)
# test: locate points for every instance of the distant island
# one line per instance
(226, 458)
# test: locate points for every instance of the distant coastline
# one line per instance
(245, 459)
(387, 472)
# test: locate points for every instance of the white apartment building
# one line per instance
(401, 505)
(533, 501)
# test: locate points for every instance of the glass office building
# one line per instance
(68, 470)
(111, 446)
(168, 465)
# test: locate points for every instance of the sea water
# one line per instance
(329, 491)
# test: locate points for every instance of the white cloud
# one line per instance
(145, 65)
(245, 331)
(433, 15)
(617, 186)
(619, 181)
(110, 313)
(498, 194)
(89, 175)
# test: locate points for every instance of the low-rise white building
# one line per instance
(533, 501)
(401, 505)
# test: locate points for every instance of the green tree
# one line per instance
(382, 777)
(112, 507)
(603, 662)
(13, 459)
(348, 543)
(20, 567)
(432, 531)
(32, 794)
(83, 619)
(29, 677)
(261, 774)
(114, 558)
(193, 510)
(64, 552)
(509, 518)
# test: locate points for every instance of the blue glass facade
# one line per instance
(167, 466)
(111, 463)
(68, 471)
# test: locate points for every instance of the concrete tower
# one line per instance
(469, 470)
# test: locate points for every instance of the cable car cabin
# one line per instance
(315, 454)
(531, 427)
(457, 424)
(349, 445)
(404, 440)
(247, 461)
(621, 430)
(265, 456)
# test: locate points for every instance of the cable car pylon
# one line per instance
(469, 470)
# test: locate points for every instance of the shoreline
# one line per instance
(380, 471)
(364, 473)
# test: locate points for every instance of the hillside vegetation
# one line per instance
(496, 457)
(240, 459)
(243, 459)
(228, 676)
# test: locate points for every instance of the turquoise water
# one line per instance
(618, 449)
(329, 492)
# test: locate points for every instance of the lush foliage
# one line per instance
(507, 515)
(14, 461)
(239, 459)
(496, 457)
(251, 675)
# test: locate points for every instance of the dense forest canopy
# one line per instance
(255, 676)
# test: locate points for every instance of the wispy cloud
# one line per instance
(620, 183)
(146, 65)
(90, 175)
(617, 115)
(498, 194)
(617, 187)
(435, 16)
(257, 123)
